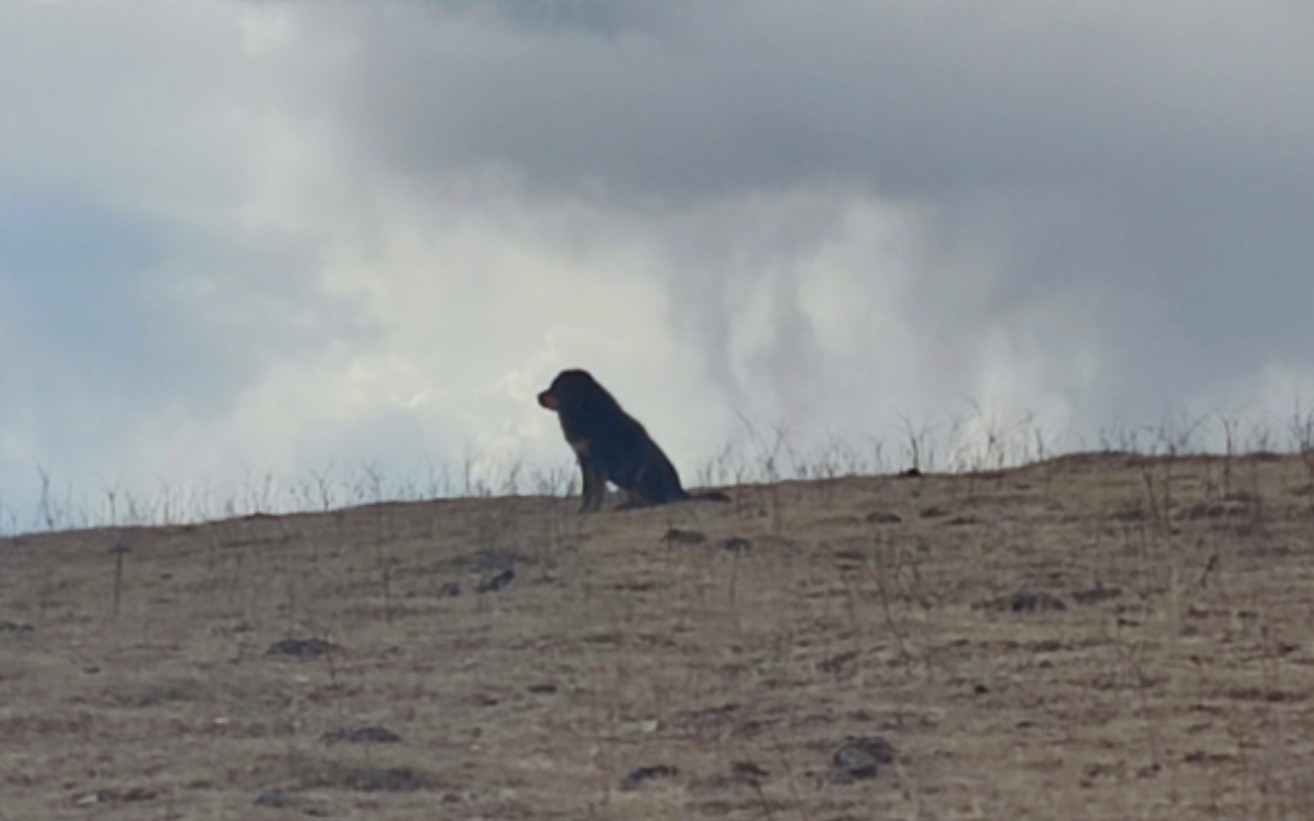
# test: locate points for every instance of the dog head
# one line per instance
(568, 389)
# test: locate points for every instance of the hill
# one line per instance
(1095, 636)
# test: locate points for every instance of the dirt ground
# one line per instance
(1109, 636)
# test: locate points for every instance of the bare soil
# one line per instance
(1110, 636)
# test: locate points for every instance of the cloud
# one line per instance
(244, 237)
(1140, 167)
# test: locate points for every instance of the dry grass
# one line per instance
(1176, 681)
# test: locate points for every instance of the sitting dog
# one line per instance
(612, 446)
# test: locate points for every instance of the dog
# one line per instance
(612, 446)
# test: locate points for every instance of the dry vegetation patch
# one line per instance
(1087, 637)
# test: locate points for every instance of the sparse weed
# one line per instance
(976, 442)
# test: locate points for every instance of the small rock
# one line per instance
(492, 584)
(361, 734)
(1033, 602)
(389, 779)
(737, 544)
(300, 648)
(449, 590)
(637, 777)
(676, 536)
(837, 664)
(748, 772)
(1025, 601)
(1095, 595)
(1128, 515)
(131, 794)
(275, 798)
(884, 517)
(14, 628)
(859, 758)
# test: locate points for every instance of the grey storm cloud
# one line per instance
(909, 101)
(1152, 164)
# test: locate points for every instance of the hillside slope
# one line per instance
(1089, 637)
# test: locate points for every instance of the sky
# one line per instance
(247, 243)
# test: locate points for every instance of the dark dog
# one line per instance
(612, 446)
